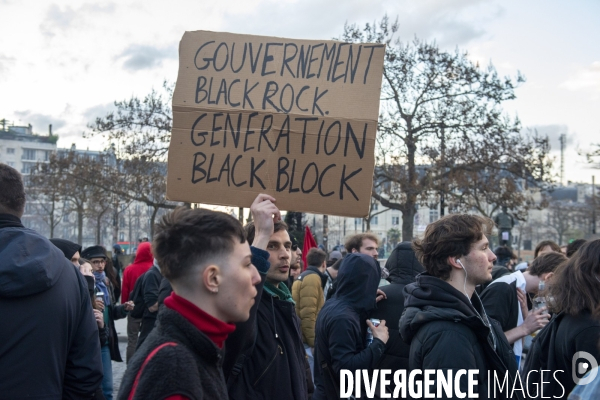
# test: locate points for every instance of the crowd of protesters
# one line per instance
(217, 310)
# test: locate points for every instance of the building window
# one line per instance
(375, 207)
(121, 222)
(121, 236)
(10, 150)
(46, 156)
(375, 220)
(434, 215)
(27, 167)
(28, 154)
(395, 220)
(11, 164)
(66, 218)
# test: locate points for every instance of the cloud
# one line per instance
(5, 63)
(137, 57)
(100, 110)
(585, 78)
(58, 19)
(40, 122)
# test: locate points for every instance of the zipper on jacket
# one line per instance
(269, 365)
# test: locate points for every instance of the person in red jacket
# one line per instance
(141, 264)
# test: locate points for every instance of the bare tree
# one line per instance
(441, 122)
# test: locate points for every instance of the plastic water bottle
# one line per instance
(375, 322)
(540, 301)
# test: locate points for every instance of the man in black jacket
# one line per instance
(265, 357)
(444, 320)
(211, 267)
(151, 284)
(342, 326)
(403, 267)
(48, 336)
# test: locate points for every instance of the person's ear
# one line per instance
(547, 276)
(211, 278)
(453, 262)
(354, 251)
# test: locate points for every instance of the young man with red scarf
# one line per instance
(213, 271)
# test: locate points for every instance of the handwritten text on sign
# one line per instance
(295, 119)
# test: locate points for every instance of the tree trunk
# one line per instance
(152, 223)
(368, 222)
(408, 222)
(98, 229)
(80, 226)
(52, 222)
(241, 215)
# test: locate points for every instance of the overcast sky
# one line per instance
(65, 62)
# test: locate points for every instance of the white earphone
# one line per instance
(466, 274)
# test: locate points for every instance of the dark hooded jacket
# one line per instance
(49, 344)
(341, 328)
(448, 332)
(403, 267)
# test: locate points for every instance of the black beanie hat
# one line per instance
(67, 247)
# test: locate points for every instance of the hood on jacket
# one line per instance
(67, 247)
(144, 254)
(358, 280)
(29, 263)
(403, 264)
(432, 299)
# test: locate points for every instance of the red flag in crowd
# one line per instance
(309, 243)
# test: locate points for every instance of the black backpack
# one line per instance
(137, 296)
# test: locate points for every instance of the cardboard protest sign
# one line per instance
(296, 119)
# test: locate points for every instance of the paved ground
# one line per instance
(119, 367)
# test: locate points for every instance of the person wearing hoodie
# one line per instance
(403, 267)
(141, 264)
(444, 320)
(342, 326)
(48, 339)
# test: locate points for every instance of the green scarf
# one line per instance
(281, 291)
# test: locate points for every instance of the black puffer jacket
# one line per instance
(403, 267)
(341, 327)
(49, 346)
(447, 332)
(187, 364)
(553, 349)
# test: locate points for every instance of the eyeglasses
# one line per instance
(98, 262)
(294, 247)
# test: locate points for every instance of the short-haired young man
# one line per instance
(508, 299)
(364, 243)
(444, 320)
(49, 344)
(265, 357)
(546, 246)
(307, 292)
(207, 259)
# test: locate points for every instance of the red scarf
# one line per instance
(215, 329)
